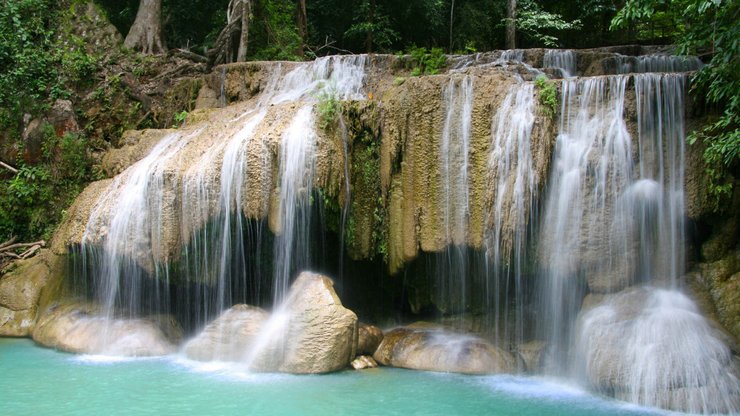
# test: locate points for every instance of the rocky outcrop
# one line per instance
(434, 349)
(370, 336)
(83, 328)
(230, 336)
(311, 332)
(651, 346)
(20, 290)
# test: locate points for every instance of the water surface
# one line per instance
(38, 381)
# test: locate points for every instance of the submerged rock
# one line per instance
(652, 347)
(435, 349)
(310, 333)
(80, 328)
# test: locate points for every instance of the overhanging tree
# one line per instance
(146, 33)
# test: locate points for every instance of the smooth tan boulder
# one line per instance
(81, 328)
(311, 332)
(436, 349)
(229, 337)
(370, 336)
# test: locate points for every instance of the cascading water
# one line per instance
(515, 183)
(126, 232)
(591, 166)
(454, 192)
(562, 59)
(656, 63)
(614, 217)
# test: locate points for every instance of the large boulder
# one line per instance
(82, 328)
(311, 332)
(369, 337)
(229, 337)
(436, 349)
(20, 290)
(651, 346)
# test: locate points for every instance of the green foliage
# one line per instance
(26, 37)
(427, 61)
(328, 108)
(32, 202)
(372, 27)
(548, 94)
(180, 118)
(274, 34)
(537, 24)
(706, 26)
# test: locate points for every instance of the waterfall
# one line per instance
(454, 193)
(655, 63)
(591, 167)
(614, 217)
(132, 237)
(564, 60)
(514, 182)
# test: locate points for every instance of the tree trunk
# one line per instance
(371, 20)
(146, 33)
(241, 55)
(452, 15)
(302, 26)
(510, 24)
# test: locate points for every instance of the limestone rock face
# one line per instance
(370, 336)
(435, 349)
(721, 279)
(651, 346)
(20, 290)
(310, 333)
(532, 354)
(80, 328)
(230, 336)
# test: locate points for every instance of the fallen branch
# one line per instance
(8, 167)
(16, 246)
(9, 242)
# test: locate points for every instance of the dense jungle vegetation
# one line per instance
(43, 59)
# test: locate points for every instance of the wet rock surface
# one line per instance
(435, 349)
(82, 328)
(310, 333)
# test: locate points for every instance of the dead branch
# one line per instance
(189, 55)
(9, 242)
(21, 245)
(8, 167)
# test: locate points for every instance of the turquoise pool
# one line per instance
(38, 381)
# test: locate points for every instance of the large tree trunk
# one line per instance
(146, 33)
(233, 41)
(302, 26)
(452, 15)
(510, 24)
(371, 20)
(241, 55)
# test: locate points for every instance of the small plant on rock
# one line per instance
(548, 94)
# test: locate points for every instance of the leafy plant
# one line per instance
(180, 118)
(427, 61)
(538, 24)
(548, 94)
(327, 107)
